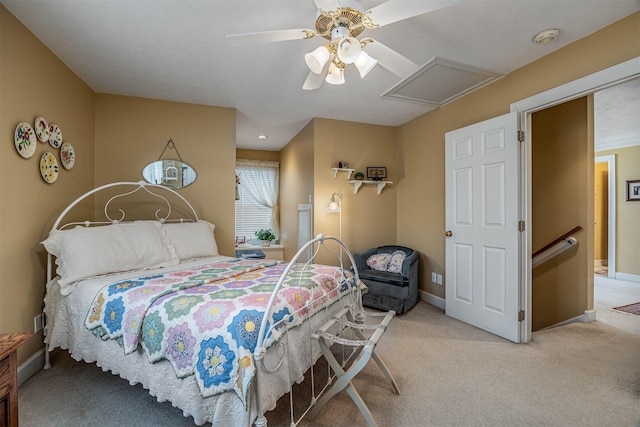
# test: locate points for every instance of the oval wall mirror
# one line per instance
(170, 173)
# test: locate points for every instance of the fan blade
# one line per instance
(327, 5)
(391, 60)
(314, 81)
(269, 36)
(396, 10)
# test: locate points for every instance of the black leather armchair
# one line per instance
(387, 290)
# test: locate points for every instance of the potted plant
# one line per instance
(265, 235)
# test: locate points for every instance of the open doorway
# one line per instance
(587, 85)
(604, 216)
(601, 218)
(616, 141)
(617, 160)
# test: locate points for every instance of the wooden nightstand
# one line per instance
(9, 344)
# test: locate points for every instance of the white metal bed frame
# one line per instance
(140, 185)
(351, 317)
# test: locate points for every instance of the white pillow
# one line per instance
(84, 252)
(395, 265)
(192, 239)
(379, 262)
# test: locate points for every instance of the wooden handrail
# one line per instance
(556, 241)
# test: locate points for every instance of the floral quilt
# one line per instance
(205, 320)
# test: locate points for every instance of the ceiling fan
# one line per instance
(342, 26)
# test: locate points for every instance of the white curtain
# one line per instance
(261, 181)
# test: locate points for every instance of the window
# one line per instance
(257, 197)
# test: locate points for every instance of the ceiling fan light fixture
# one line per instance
(364, 63)
(335, 75)
(349, 50)
(317, 59)
(339, 32)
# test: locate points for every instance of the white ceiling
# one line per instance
(617, 116)
(176, 50)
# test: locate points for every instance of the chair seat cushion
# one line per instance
(384, 276)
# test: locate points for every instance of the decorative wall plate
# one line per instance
(49, 167)
(42, 129)
(25, 139)
(67, 155)
(55, 137)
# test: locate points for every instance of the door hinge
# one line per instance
(520, 315)
(520, 225)
(521, 136)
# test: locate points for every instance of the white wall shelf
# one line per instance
(358, 183)
(348, 171)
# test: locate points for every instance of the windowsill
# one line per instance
(245, 246)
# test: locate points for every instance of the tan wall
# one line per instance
(263, 155)
(368, 219)
(132, 132)
(34, 82)
(420, 185)
(562, 158)
(270, 156)
(627, 213)
(414, 204)
(600, 211)
(296, 185)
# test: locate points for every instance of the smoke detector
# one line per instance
(546, 36)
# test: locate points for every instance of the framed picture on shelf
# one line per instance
(376, 173)
(633, 190)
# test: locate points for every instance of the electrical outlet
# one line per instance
(433, 277)
(439, 279)
(37, 323)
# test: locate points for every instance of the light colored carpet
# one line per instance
(449, 373)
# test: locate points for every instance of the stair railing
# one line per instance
(555, 247)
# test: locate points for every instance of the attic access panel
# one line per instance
(439, 82)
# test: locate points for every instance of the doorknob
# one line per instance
(448, 233)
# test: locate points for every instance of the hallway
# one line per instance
(610, 293)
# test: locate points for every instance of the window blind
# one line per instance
(250, 214)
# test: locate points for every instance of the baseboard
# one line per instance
(32, 365)
(588, 316)
(628, 277)
(432, 299)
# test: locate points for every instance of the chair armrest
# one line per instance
(408, 264)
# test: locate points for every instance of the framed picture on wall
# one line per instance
(633, 190)
(376, 173)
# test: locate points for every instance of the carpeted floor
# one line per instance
(449, 373)
(630, 308)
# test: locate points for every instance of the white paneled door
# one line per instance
(482, 216)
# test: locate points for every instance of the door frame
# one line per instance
(526, 107)
(610, 160)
